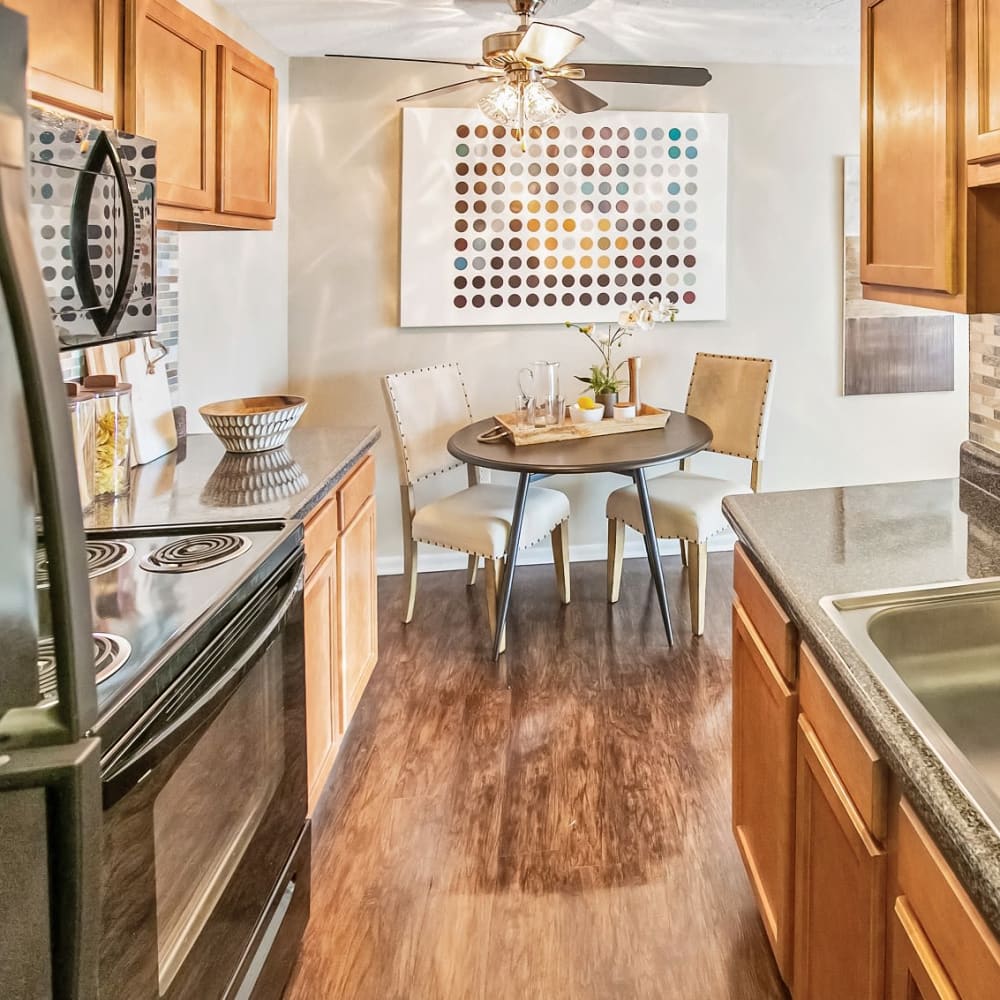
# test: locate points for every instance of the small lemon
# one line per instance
(586, 403)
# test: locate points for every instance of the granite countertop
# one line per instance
(815, 543)
(201, 484)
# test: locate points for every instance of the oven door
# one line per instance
(204, 802)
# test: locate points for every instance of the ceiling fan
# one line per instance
(531, 80)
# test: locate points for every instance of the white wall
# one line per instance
(233, 286)
(789, 128)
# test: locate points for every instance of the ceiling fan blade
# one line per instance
(668, 76)
(573, 97)
(546, 44)
(434, 62)
(451, 86)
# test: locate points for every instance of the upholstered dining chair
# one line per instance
(732, 395)
(427, 406)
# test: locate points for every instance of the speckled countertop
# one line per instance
(201, 484)
(815, 543)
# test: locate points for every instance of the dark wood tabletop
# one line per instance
(683, 436)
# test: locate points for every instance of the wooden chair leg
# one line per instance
(698, 582)
(410, 572)
(684, 552)
(560, 553)
(494, 574)
(616, 554)
(473, 570)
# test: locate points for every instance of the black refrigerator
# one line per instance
(50, 799)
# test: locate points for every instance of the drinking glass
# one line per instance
(539, 409)
(522, 410)
(557, 412)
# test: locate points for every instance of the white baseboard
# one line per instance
(434, 560)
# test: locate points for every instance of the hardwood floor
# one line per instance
(561, 834)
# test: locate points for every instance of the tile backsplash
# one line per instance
(167, 313)
(984, 381)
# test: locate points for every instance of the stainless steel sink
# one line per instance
(937, 650)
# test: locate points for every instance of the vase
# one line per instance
(607, 400)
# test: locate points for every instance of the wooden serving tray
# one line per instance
(649, 418)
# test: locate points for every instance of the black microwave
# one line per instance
(93, 220)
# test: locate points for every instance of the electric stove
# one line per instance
(159, 596)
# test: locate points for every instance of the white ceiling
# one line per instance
(657, 31)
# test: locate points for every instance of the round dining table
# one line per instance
(628, 454)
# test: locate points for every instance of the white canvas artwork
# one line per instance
(597, 211)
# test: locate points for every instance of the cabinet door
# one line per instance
(911, 142)
(764, 712)
(840, 874)
(982, 79)
(358, 605)
(248, 135)
(322, 689)
(73, 53)
(916, 973)
(170, 82)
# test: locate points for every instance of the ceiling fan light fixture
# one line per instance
(502, 105)
(540, 106)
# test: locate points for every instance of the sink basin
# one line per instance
(937, 650)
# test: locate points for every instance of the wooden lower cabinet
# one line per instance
(323, 700)
(358, 604)
(340, 617)
(916, 972)
(764, 714)
(840, 886)
(855, 896)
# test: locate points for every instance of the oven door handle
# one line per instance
(124, 774)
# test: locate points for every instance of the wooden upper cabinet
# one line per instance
(248, 135)
(910, 183)
(74, 53)
(170, 96)
(982, 82)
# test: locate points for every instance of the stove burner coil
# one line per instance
(185, 555)
(111, 652)
(102, 557)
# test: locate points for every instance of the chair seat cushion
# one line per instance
(477, 520)
(685, 505)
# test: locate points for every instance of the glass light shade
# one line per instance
(540, 107)
(502, 105)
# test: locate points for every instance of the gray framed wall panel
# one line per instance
(899, 354)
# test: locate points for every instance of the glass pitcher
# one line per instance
(540, 381)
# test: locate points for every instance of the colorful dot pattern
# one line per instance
(584, 216)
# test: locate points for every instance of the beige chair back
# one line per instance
(427, 406)
(732, 395)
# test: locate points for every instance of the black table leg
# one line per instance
(652, 550)
(513, 541)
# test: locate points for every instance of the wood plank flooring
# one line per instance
(561, 832)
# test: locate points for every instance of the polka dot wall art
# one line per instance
(596, 212)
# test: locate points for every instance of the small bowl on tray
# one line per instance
(580, 416)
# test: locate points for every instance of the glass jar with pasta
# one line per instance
(112, 434)
(81, 420)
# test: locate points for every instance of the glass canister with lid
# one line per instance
(82, 405)
(112, 434)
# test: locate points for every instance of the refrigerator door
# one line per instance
(50, 807)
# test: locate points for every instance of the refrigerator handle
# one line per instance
(55, 468)
(70, 777)
(106, 319)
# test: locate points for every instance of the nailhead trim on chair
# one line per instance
(401, 437)
(763, 407)
(488, 555)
